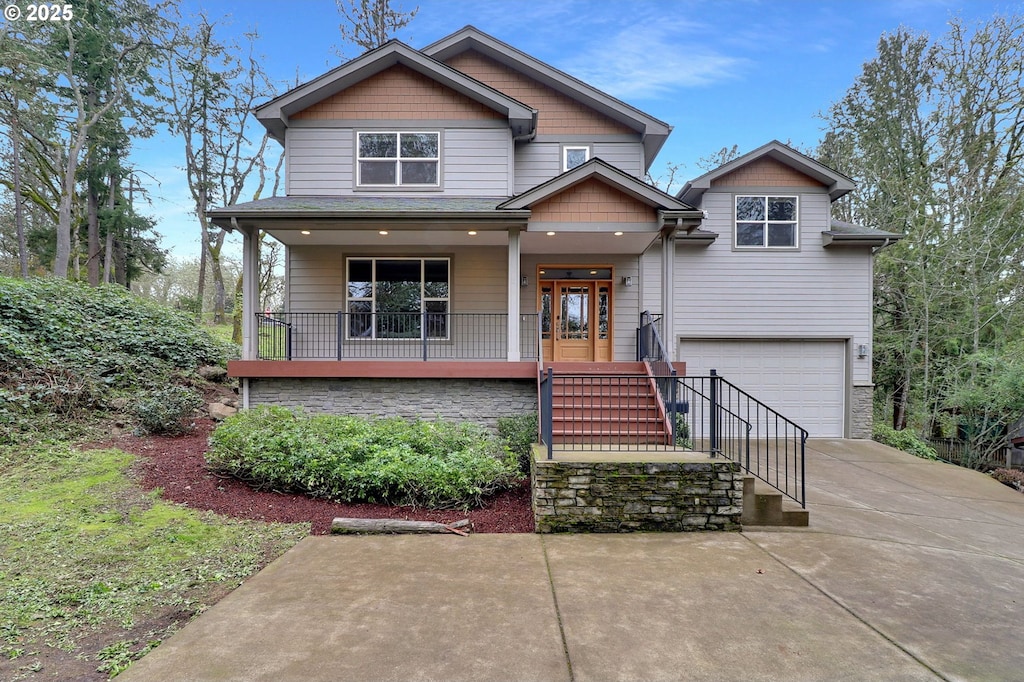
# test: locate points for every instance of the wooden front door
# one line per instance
(576, 320)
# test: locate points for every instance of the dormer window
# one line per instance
(573, 156)
(766, 222)
(396, 159)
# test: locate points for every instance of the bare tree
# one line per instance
(213, 88)
(371, 23)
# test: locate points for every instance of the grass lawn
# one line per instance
(95, 571)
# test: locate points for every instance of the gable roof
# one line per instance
(653, 132)
(595, 168)
(274, 114)
(837, 183)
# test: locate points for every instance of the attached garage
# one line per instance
(802, 379)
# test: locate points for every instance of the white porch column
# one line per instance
(250, 291)
(513, 294)
(668, 269)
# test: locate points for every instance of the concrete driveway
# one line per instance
(910, 570)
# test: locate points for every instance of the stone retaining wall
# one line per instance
(609, 497)
(476, 400)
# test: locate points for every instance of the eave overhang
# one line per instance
(836, 183)
(850, 235)
(653, 132)
(299, 213)
(274, 115)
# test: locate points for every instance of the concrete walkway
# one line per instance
(911, 570)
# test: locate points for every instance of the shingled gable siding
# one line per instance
(592, 201)
(397, 93)
(765, 173)
(474, 158)
(559, 114)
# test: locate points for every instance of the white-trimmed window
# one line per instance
(574, 155)
(766, 222)
(392, 298)
(398, 159)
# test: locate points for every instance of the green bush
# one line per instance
(904, 440)
(519, 433)
(437, 464)
(167, 411)
(70, 348)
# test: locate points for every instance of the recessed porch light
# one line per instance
(472, 233)
(383, 232)
(305, 232)
(551, 234)
(619, 233)
(593, 272)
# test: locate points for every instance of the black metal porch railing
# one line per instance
(705, 414)
(392, 336)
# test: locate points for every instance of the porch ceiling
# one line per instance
(538, 242)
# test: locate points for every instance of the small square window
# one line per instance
(574, 156)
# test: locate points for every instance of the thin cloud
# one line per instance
(644, 62)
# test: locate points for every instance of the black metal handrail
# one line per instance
(743, 429)
(707, 414)
(393, 336)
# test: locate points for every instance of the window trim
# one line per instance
(766, 223)
(424, 299)
(566, 148)
(398, 185)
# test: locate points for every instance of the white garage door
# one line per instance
(804, 380)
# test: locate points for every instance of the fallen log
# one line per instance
(342, 525)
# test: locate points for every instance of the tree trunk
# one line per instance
(236, 316)
(19, 217)
(108, 251)
(219, 291)
(93, 220)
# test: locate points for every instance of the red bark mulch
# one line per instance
(176, 465)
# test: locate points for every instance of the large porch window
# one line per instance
(393, 298)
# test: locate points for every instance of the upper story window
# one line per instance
(398, 159)
(766, 222)
(573, 156)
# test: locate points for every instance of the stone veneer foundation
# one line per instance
(477, 400)
(687, 493)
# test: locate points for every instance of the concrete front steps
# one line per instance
(605, 403)
(765, 506)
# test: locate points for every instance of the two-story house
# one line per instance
(460, 216)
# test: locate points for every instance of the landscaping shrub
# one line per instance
(67, 348)
(519, 433)
(168, 411)
(1011, 477)
(904, 440)
(439, 465)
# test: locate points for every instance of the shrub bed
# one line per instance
(1011, 477)
(904, 440)
(439, 465)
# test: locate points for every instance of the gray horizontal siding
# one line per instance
(810, 293)
(317, 282)
(320, 161)
(538, 162)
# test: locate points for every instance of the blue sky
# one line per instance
(720, 72)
